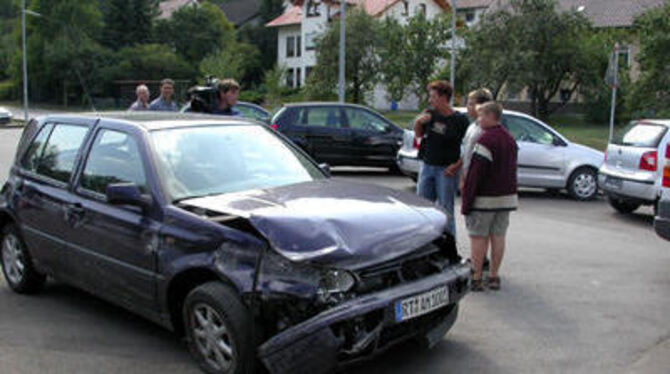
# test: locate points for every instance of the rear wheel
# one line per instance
(583, 184)
(17, 264)
(622, 205)
(218, 330)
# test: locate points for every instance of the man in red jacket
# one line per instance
(490, 193)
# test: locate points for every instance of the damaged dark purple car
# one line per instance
(230, 235)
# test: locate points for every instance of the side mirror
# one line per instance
(127, 194)
(558, 142)
(325, 168)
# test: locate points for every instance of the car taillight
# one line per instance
(666, 168)
(416, 143)
(274, 126)
(648, 161)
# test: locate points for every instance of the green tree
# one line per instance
(233, 62)
(148, 62)
(361, 60)
(392, 62)
(273, 80)
(196, 31)
(264, 38)
(652, 91)
(542, 50)
(128, 22)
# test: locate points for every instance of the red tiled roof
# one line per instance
(292, 16)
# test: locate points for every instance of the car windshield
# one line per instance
(640, 134)
(212, 160)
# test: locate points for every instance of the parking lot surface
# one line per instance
(585, 290)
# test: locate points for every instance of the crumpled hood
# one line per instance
(349, 225)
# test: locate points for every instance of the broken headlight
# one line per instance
(336, 282)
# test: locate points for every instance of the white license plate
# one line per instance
(419, 305)
(615, 183)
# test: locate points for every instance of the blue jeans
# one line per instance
(434, 186)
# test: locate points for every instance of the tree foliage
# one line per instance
(651, 92)
(539, 48)
(128, 22)
(361, 58)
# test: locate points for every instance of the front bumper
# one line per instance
(312, 346)
(643, 189)
(662, 220)
(408, 164)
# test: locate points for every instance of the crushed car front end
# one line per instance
(324, 319)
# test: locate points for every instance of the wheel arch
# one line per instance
(179, 287)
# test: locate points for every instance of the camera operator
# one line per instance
(229, 91)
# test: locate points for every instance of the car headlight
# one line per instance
(336, 281)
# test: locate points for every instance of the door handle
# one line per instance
(74, 214)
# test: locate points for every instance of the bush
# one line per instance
(8, 91)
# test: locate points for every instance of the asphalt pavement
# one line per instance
(585, 290)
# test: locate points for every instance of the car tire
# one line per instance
(623, 206)
(218, 329)
(17, 265)
(583, 184)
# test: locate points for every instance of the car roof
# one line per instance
(155, 120)
(663, 122)
(324, 103)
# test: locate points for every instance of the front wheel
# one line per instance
(583, 184)
(218, 330)
(622, 205)
(17, 264)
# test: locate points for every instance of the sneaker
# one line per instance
(477, 285)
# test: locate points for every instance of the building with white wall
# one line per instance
(303, 21)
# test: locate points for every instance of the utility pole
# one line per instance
(453, 50)
(615, 86)
(343, 52)
(25, 61)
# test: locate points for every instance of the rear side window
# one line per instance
(321, 117)
(58, 157)
(640, 134)
(114, 158)
(34, 151)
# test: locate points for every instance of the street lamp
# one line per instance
(343, 51)
(453, 50)
(25, 11)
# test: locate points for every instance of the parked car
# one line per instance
(5, 115)
(340, 134)
(248, 110)
(662, 219)
(546, 158)
(631, 176)
(223, 230)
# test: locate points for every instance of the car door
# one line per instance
(114, 247)
(327, 133)
(374, 140)
(541, 158)
(44, 197)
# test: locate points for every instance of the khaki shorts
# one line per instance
(486, 224)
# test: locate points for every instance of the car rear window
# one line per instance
(640, 134)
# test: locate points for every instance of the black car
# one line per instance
(225, 232)
(341, 134)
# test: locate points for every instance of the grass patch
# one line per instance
(574, 127)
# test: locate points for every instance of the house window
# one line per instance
(298, 46)
(421, 9)
(290, 77)
(405, 8)
(470, 16)
(298, 78)
(290, 46)
(624, 57)
(308, 72)
(310, 41)
(313, 8)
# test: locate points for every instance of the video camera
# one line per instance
(204, 98)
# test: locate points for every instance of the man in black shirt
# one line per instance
(442, 130)
(229, 91)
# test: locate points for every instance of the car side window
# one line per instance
(34, 152)
(525, 130)
(114, 158)
(363, 120)
(60, 152)
(322, 117)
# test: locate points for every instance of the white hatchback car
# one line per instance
(632, 174)
(546, 158)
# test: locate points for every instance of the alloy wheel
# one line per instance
(212, 337)
(12, 259)
(585, 185)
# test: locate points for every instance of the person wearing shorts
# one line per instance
(490, 193)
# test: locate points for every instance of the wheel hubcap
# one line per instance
(12, 259)
(212, 337)
(585, 185)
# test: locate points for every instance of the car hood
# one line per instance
(333, 223)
